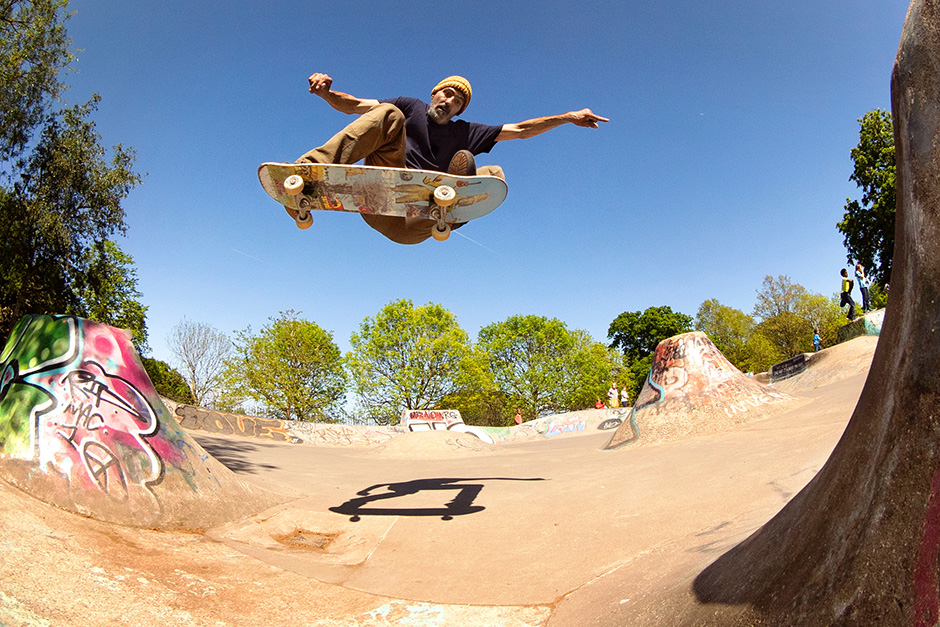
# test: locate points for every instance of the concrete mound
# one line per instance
(81, 427)
(692, 389)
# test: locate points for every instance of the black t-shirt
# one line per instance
(431, 146)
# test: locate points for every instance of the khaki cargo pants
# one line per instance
(378, 137)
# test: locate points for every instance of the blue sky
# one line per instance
(726, 158)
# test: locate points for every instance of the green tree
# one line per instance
(477, 398)
(778, 309)
(868, 225)
(407, 357)
(292, 367)
(167, 381)
(729, 329)
(60, 194)
(541, 367)
(878, 296)
(820, 313)
(789, 313)
(33, 52)
(636, 334)
(592, 368)
(761, 353)
(108, 292)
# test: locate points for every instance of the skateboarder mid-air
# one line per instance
(408, 133)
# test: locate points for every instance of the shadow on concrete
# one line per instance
(461, 504)
(236, 456)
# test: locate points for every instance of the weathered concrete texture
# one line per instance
(860, 544)
(692, 389)
(59, 570)
(82, 427)
(869, 324)
(831, 364)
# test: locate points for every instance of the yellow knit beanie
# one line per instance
(460, 84)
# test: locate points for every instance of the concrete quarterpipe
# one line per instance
(693, 389)
(82, 427)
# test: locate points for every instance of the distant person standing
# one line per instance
(863, 284)
(817, 342)
(624, 397)
(518, 416)
(846, 297)
(612, 396)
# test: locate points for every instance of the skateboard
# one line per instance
(445, 198)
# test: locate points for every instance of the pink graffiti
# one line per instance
(571, 426)
(94, 432)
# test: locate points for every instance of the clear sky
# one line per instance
(726, 158)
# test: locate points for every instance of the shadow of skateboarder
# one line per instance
(461, 504)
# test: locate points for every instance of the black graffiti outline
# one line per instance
(102, 393)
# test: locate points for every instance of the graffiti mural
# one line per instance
(440, 420)
(692, 388)
(689, 369)
(567, 425)
(233, 424)
(345, 435)
(70, 401)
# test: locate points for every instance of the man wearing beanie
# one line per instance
(409, 133)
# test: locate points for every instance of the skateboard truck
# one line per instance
(293, 186)
(443, 197)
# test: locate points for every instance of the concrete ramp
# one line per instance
(81, 427)
(692, 389)
(829, 365)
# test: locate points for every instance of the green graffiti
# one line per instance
(36, 343)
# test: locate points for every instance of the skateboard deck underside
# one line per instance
(381, 191)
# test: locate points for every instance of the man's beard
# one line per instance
(436, 115)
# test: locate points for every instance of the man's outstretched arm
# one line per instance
(320, 85)
(537, 126)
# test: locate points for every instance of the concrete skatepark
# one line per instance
(824, 510)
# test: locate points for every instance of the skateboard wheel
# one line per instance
(305, 222)
(440, 234)
(293, 184)
(445, 195)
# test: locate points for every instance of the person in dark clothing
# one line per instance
(846, 298)
(409, 133)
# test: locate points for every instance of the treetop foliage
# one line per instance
(33, 53)
(292, 366)
(406, 357)
(868, 225)
(638, 333)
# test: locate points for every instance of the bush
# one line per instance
(168, 382)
